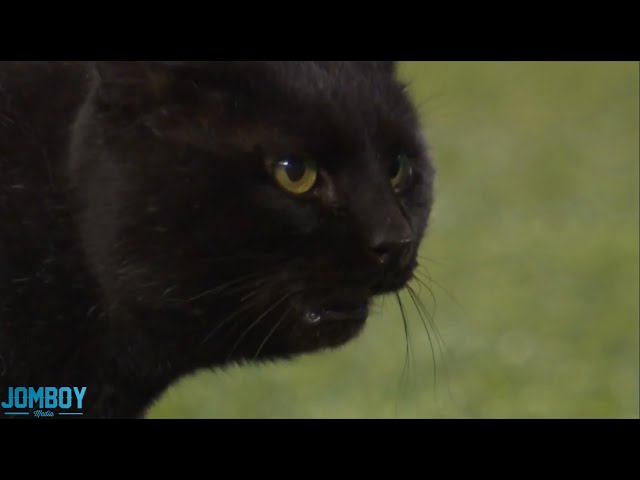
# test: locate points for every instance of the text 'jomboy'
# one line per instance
(44, 397)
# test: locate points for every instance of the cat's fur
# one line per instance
(142, 236)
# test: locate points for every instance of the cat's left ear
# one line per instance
(129, 78)
(388, 67)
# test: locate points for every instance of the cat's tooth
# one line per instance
(312, 317)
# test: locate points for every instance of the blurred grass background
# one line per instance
(534, 237)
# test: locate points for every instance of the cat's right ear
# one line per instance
(132, 77)
(388, 67)
(385, 67)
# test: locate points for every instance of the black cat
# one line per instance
(161, 217)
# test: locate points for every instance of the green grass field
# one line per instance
(533, 249)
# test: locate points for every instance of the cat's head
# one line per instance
(264, 203)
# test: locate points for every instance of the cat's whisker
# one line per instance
(423, 270)
(424, 258)
(422, 283)
(442, 345)
(278, 323)
(221, 288)
(413, 295)
(245, 307)
(257, 320)
(249, 295)
(226, 320)
(272, 331)
(239, 257)
(245, 287)
(430, 316)
(406, 369)
(168, 290)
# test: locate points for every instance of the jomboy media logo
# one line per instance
(40, 401)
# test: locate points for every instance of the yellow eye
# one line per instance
(400, 172)
(296, 175)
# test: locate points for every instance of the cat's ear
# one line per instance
(388, 67)
(133, 77)
(154, 77)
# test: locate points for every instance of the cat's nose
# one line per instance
(388, 250)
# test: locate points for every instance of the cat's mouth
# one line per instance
(355, 312)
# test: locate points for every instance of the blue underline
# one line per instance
(69, 413)
(16, 413)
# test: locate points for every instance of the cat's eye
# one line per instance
(296, 175)
(400, 172)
